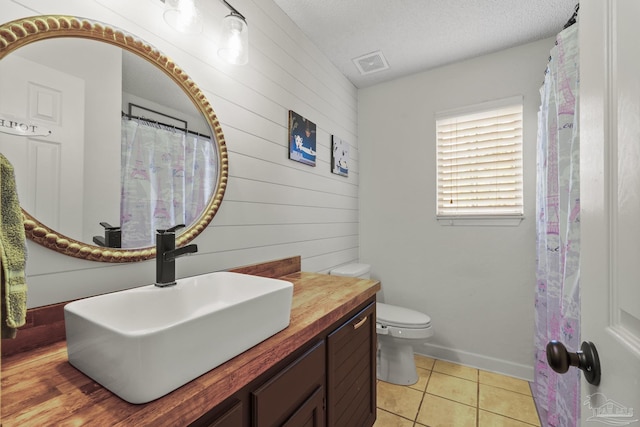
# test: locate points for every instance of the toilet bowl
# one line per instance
(398, 330)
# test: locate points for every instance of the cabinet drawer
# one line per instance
(280, 397)
(351, 378)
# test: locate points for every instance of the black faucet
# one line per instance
(112, 236)
(166, 254)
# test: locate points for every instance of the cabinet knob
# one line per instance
(559, 359)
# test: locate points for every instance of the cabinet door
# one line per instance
(231, 417)
(290, 390)
(311, 413)
(351, 371)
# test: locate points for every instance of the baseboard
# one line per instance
(478, 361)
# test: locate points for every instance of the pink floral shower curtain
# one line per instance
(557, 301)
(167, 179)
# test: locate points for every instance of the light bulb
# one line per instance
(234, 43)
(183, 16)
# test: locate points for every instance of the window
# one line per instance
(479, 161)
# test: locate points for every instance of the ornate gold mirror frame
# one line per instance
(18, 33)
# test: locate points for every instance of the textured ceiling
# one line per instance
(416, 35)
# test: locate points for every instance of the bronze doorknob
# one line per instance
(559, 359)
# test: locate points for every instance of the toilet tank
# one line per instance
(352, 270)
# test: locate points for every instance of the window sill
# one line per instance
(486, 221)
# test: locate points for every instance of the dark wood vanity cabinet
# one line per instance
(230, 418)
(295, 396)
(351, 371)
(331, 382)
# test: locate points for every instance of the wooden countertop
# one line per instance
(41, 388)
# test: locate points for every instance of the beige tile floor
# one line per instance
(452, 395)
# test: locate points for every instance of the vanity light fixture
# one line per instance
(183, 16)
(234, 40)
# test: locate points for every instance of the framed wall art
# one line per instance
(339, 156)
(302, 139)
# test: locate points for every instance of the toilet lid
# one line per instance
(391, 315)
(351, 270)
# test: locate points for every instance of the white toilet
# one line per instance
(399, 329)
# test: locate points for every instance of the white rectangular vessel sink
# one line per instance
(145, 342)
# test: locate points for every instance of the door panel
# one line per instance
(43, 96)
(610, 199)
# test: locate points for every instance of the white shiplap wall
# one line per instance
(273, 207)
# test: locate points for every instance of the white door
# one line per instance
(49, 169)
(610, 201)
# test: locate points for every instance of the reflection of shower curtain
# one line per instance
(167, 179)
(558, 232)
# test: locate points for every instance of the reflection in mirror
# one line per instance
(130, 150)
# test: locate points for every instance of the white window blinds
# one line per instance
(479, 163)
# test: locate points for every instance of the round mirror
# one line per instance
(109, 139)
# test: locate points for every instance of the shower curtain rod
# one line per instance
(572, 20)
(132, 117)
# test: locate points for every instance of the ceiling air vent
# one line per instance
(371, 62)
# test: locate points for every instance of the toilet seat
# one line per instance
(401, 322)
(405, 333)
(401, 317)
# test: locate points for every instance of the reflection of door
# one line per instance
(49, 170)
(610, 199)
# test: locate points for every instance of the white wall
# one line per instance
(476, 283)
(273, 207)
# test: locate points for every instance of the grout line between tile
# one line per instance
(508, 417)
(477, 406)
(507, 389)
(424, 392)
(451, 400)
(478, 399)
(393, 413)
